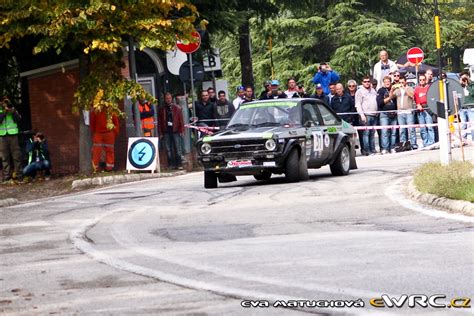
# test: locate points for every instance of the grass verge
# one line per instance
(454, 181)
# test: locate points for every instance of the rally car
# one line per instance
(278, 136)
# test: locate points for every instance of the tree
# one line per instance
(98, 29)
(348, 34)
(233, 17)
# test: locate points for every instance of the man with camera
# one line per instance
(38, 157)
(404, 95)
(467, 112)
(325, 76)
(9, 119)
(274, 92)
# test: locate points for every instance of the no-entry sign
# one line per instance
(415, 55)
(189, 47)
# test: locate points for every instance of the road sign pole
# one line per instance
(446, 114)
(416, 73)
(443, 124)
(192, 83)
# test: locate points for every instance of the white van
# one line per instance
(468, 59)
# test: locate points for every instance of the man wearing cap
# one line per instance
(267, 88)
(319, 94)
(240, 97)
(325, 76)
(274, 92)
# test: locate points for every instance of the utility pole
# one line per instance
(132, 65)
(443, 124)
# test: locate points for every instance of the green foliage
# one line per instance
(454, 181)
(98, 29)
(348, 34)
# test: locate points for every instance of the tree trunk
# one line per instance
(456, 59)
(85, 141)
(246, 55)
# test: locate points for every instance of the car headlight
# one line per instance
(270, 144)
(206, 149)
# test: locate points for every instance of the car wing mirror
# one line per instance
(308, 124)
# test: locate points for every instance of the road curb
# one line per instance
(8, 202)
(117, 179)
(452, 206)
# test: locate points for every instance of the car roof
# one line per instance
(284, 100)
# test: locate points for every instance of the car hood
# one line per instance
(252, 133)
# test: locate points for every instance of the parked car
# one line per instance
(278, 136)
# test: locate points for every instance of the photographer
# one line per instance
(9, 119)
(325, 76)
(38, 157)
(274, 92)
(467, 111)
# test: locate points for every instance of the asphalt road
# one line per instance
(168, 246)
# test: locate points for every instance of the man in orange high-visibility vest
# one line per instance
(103, 138)
(147, 117)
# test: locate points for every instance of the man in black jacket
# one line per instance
(205, 110)
(341, 102)
(386, 103)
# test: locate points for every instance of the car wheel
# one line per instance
(341, 165)
(210, 180)
(292, 166)
(303, 166)
(264, 175)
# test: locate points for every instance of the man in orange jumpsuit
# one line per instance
(103, 139)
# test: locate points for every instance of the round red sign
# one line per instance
(189, 47)
(415, 55)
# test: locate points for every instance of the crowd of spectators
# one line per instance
(385, 99)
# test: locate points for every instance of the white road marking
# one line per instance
(79, 239)
(395, 192)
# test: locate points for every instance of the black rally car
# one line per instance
(278, 136)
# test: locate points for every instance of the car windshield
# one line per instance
(266, 114)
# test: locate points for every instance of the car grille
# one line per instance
(238, 147)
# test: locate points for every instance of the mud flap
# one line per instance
(353, 163)
(224, 178)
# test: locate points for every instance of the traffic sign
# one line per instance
(212, 60)
(174, 60)
(433, 95)
(185, 71)
(142, 153)
(415, 55)
(190, 47)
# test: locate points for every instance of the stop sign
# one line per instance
(190, 47)
(415, 55)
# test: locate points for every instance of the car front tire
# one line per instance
(292, 166)
(210, 180)
(341, 166)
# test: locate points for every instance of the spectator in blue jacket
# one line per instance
(325, 76)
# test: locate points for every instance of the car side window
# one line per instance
(327, 116)
(310, 114)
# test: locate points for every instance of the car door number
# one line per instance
(318, 142)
